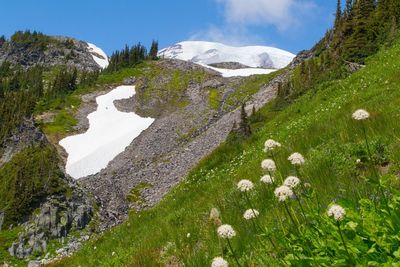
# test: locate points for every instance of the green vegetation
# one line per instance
(249, 87)
(35, 40)
(7, 237)
(63, 123)
(166, 87)
(27, 178)
(178, 229)
(214, 98)
(135, 194)
(360, 30)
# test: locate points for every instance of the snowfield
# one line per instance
(240, 72)
(110, 132)
(98, 55)
(209, 53)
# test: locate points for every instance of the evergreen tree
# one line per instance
(2, 40)
(244, 125)
(153, 50)
(338, 15)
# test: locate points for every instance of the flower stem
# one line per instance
(233, 253)
(341, 237)
(376, 174)
(290, 215)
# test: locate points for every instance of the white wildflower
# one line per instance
(226, 231)
(296, 159)
(219, 262)
(337, 212)
(267, 179)
(291, 182)
(283, 192)
(360, 114)
(268, 165)
(358, 161)
(250, 214)
(188, 235)
(270, 145)
(113, 253)
(245, 185)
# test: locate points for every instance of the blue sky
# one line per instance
(292, 25)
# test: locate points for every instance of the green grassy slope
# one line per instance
(318, 125)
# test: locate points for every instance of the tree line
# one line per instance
(130, 56)
(21, 90)
(359, 31)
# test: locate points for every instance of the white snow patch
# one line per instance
(98, 55)
(240, 72)
(209, 53)
(110, 132)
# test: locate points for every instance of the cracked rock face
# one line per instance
(56, 218)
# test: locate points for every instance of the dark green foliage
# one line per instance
(64, 82)
(244, 125)
(2, 40)
(153, 50)
(35, 40)
(88, 78)
(127, 57)
(359, 31)
(26, 179)
(19, 92)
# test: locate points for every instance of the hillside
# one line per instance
(27, 49)
(337, 169)
(203, 154)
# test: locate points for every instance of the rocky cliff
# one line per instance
(50, 52)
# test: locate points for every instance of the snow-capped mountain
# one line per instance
(210, 53)
(98, 55)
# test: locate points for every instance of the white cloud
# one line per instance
(241, 16)
(227, 35)
(279, 13)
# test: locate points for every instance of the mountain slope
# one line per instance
(28, 49)
(152, 238)
(207, 53)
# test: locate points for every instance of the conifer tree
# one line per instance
(244, 125)
(338, 16)
(153, 50)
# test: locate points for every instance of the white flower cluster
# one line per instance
(337, 212)
(226, 231)
(250, 214)
(360, 115)
(219, 262)
(245, 185)
(268, 165)
(283, 193)
(296, 159)
(267, 179)
(291, 182)
(270, 145)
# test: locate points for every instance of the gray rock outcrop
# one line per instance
(61, 51)
(55, 219)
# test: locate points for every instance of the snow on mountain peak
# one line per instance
(98, 55)
(206, 53)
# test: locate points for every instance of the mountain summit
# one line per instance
(208, 53)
